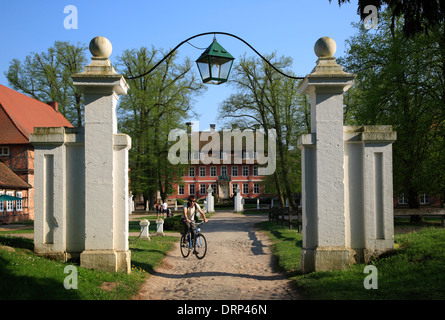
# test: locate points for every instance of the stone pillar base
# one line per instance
(59, 256)
(107, 260)
(307, 260)
(326, 259)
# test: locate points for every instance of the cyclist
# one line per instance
(188, 215)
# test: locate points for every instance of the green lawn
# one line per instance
(414, 270)
(26, 276)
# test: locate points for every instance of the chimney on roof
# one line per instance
(54, 105)
(212, 127)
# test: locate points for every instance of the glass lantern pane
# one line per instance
(204, 70)
(225, 69)
(216, 71)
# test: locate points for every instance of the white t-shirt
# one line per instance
(191, 210)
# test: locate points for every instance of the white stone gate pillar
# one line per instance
(324, 239)
(346, 175)
(106, 164)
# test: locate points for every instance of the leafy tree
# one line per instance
(47, 77)
(156, 104)
(272, 101)
(400, 81)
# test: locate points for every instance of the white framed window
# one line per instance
(234, 171)
(256, 188)
(255, 171)
(191, 189)
(4, 151)
(9, 204)
(213, 171)
(424, 198)
(403, 199)
(191, 171)
(213, 185)
(202, 188)
(202, 171)
(181, 189)
(2, 206)
(195, 155)
(245, 171)
(223, 170)
(19, 203)
(234, 187)
(245, 188)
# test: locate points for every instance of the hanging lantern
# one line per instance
(215, 64)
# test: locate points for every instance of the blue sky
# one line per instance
(289, 27)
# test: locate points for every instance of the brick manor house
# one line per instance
(223, 177)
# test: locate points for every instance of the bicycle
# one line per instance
(196, 242)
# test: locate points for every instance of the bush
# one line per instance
(173, 223)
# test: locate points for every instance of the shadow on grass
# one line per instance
(17, 242)
(14, 285)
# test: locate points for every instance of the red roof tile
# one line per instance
(26, 113)
(9, 180)
(9, 134)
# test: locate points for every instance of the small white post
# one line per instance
(238, 201)
(210, 202)
(160, 227)
(145, 226)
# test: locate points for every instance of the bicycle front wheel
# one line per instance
(200, 246)
(184, 246)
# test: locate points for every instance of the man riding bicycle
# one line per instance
(189, 212)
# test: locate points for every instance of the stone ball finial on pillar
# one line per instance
(100, 47)
(325, 47)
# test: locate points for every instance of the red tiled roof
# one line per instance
(25, 113)
(9, 180)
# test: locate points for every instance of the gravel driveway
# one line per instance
(238, 266)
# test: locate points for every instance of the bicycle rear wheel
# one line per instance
(200, 246)
(185, 246)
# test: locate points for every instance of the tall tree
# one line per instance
(47, 77)
(156, 104)
(400, 81)
(272, 101)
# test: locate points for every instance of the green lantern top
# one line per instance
(215, 64)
